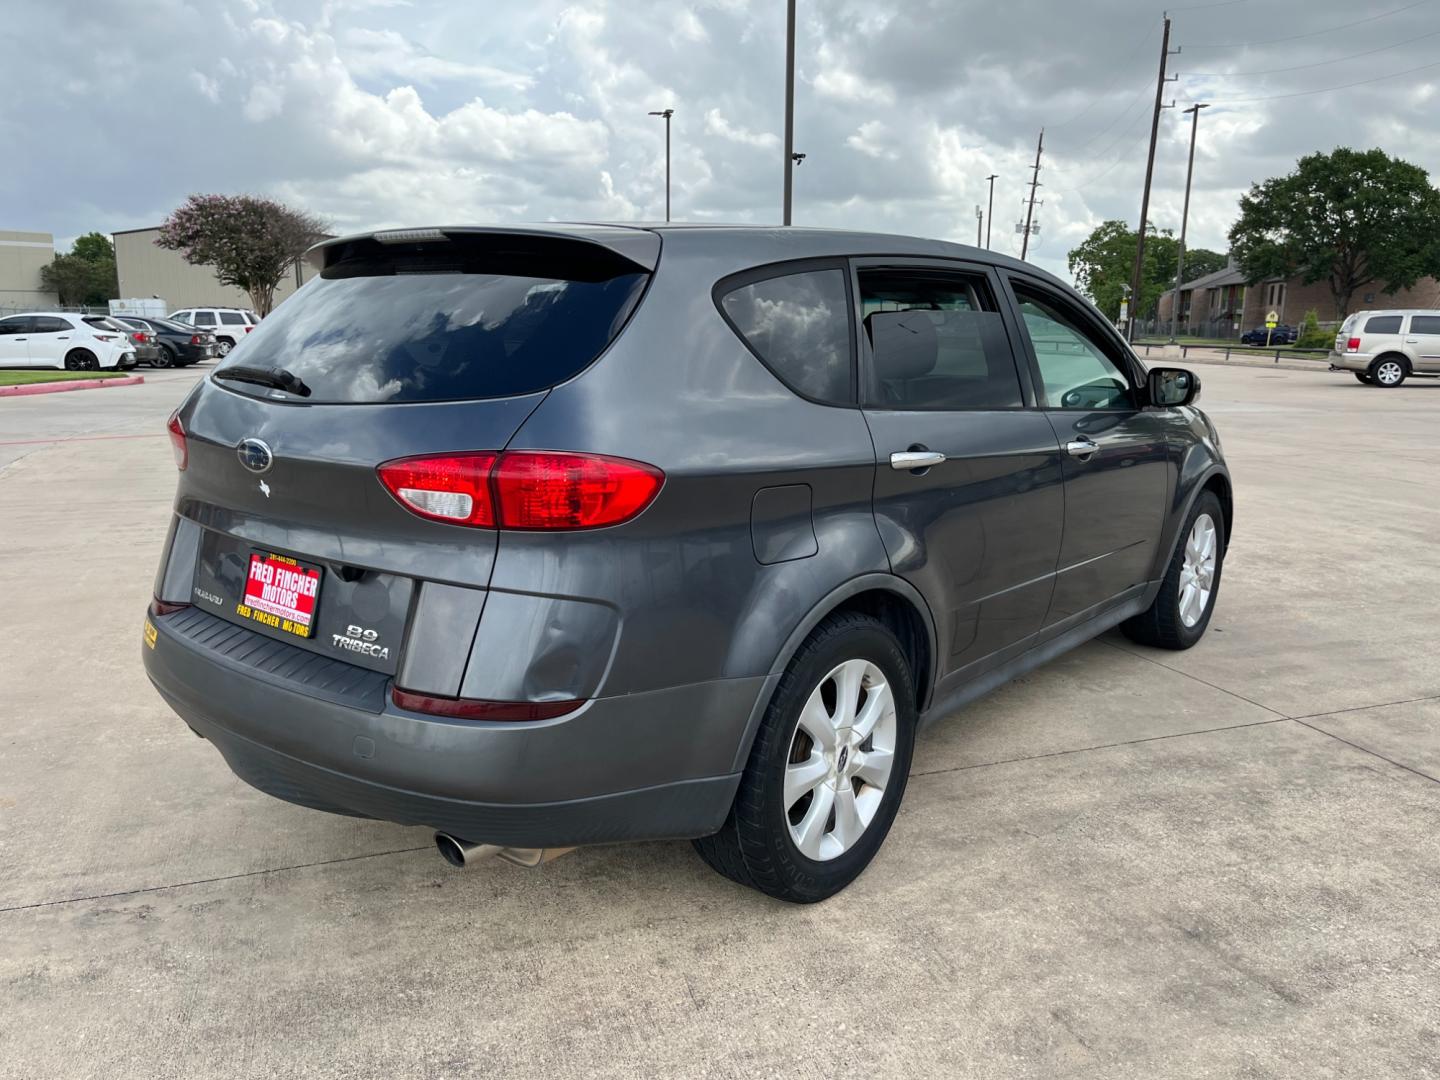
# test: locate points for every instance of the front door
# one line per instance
(1116, 460)
(1424, 339)
(15, 341)
(968, 482)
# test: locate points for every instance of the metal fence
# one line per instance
(72, 309)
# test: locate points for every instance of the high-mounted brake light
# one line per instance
(177, 440)
(523, 489)
(472, 709)
(1353, 345)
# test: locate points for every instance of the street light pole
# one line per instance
(666, 113)
(990, 213)
(789, 105)
(1194, 112)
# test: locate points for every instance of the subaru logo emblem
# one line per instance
(254, 455)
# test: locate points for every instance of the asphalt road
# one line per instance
(1128, 864)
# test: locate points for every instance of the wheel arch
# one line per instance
(890, 599)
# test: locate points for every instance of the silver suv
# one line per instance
(1384, 348)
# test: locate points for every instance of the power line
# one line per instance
(1204, 7)
(1119, 74)
(1312, 33)
(1302, 67)
(1327, 89)
(1118, 117)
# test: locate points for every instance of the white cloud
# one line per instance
(378, 53)
(716, 124)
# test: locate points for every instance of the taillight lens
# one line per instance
(177, 441)
(545, 490)
(472, 709)
(449, 487)
(523, 489)
(194, 339)
(1353, 345)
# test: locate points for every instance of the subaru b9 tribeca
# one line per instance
(566, 535)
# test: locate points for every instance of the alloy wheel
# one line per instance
(1389, 373)
(842, 754)
(1197, 573)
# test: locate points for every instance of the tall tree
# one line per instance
(86, 276)
(1102, 264)
(1349, 218)
(250, 242)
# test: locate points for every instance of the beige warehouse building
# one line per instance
(22, 256)
(146, 270)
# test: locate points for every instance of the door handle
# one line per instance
(916, 459)
(1412, 341)
(1081, 447)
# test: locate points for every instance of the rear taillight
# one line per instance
(523, 489)
(105, 337)
(248, 328)
(177, 441)
(1353, 345)
(194, 339)
(165, 607)
(472, 709)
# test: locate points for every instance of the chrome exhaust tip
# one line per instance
(461, 853)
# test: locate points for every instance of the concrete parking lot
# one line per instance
(1130, 863)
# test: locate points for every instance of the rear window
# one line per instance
(1383, 324)
(99, 322)
(454, 326)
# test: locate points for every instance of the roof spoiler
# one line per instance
(639, 247)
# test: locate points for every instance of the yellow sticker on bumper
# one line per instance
(150, 633)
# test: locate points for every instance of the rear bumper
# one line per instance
(1351, 361)
(644, 766)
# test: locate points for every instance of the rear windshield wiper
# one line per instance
(278, 378)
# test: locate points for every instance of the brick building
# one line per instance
(1223, 305)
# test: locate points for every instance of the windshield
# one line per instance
(405, 337)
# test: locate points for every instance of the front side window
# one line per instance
(15, 324)
(937, 342)
(1425, 324)
(1075, 372)
(799, 325)
(1383, 324)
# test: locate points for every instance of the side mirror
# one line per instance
(1172, 387)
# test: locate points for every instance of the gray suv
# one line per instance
(567, 535)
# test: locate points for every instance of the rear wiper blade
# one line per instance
(278, 378)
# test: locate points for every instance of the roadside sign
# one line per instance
(1272, 320)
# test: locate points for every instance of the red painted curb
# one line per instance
(68, 384)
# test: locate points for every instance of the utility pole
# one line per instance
(1135, 283)
(990, 211)
(1194, 112)
(979, 223)
(666, 113)
(1030, 206)
(789, 105)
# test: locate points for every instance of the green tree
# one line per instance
(1349, 218)
(86, 276)
(1103, 263)
(250, 242)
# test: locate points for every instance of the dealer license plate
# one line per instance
(281, 593)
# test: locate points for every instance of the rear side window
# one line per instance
(799, 325)
(1425, 324)
(204, 318)
(937, 342)
(231, 318)
(407, 327)
(46, 324)
(1383, 324)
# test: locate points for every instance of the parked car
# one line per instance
(229, 325)
(1384, 348)
(147, 350)
(61, 339)
(534, 538)
(179, 344)
(1281, 335)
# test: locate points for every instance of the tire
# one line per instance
(1389, 371)
(757, 846)
(81, 360)
(223, 347)
(1362, 376)
(1172, 622)
(165, 358)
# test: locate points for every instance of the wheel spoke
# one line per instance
(847, 691)
(802, 777)
(811, 831)
(877, 703)
(875, 766)
(816, 722)
(848, 825)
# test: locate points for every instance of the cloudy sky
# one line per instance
(390, 112)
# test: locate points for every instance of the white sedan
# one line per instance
(64, 340)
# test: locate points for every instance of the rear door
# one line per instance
(1424, 339)
(393, 352)
(968, 483)
(1116, 460)
(51, 337)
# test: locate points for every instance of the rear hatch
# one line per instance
(400, 348)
